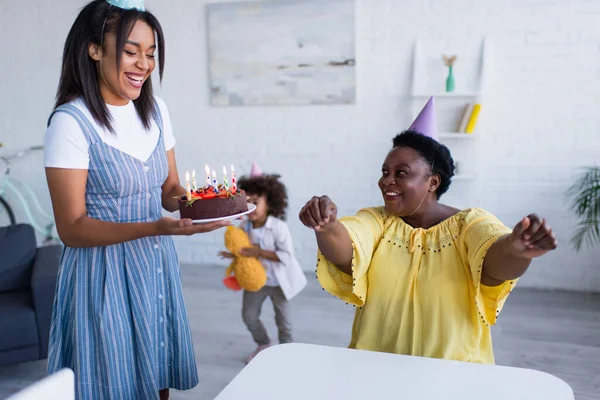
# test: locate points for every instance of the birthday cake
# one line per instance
(214, 200)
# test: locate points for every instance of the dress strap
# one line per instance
(88, 130)
(156, 114)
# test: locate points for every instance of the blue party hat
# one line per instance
(128, 4)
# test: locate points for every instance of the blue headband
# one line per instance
(128, 4)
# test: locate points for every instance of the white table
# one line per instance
(60, 385)
(302, 371)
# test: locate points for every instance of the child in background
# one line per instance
(274, 248)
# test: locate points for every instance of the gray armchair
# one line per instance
(27, 283)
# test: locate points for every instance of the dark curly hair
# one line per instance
(272, 188)
(433, 152)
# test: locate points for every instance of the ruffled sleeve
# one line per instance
(365, 229)
(480, 232)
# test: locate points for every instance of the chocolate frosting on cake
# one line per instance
(214, 208)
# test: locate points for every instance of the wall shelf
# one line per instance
(420, 80)
(455, 95)
(457, 135)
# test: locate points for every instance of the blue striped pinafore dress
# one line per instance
(119, 321)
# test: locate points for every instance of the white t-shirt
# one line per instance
(66, 146)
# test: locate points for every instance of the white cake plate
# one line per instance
(251, 207)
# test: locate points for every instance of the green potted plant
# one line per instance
(585, 201)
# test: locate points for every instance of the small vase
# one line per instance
(450, 81)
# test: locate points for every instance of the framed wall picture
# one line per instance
(289, 52)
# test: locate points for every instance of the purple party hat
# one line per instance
(425, 122)
(255, 170)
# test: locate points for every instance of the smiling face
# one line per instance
(406, 182)
(120, 85)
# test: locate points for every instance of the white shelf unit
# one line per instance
(419, 62)
(419, 94)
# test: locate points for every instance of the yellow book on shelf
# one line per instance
(473, 120)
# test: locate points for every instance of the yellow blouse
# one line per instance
(418, 291)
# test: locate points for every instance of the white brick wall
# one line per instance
(539, 124)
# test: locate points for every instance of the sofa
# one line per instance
(27, 284)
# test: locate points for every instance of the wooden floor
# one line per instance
(555, 332)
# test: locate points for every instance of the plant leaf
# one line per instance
(584, 197)
(588, 233)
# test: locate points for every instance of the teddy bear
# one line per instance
(248, 272)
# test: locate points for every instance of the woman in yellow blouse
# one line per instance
(427, 279)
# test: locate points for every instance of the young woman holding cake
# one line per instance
(273, 246)
(119, 321)
(428, 279)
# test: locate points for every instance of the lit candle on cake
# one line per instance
(188, 194)
(225, 182)
(215, 185)
(207, 176)
(233, 183)
(194, 180)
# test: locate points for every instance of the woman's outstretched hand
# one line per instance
(333, 240)
(170, 226)
(319, 213)
(532, 237)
